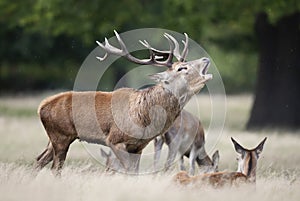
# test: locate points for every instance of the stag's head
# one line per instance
(183, 78)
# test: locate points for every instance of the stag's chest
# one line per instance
(137, 145)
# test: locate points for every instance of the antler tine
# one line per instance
(156, 52)
(176, 48)
(171, 51)
(185, 49)
(146, 44)
(105, 56)
(109, 49)
(122, 44)
(159, 54)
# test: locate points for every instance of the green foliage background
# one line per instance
(43, 43)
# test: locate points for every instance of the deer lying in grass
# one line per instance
(126, 119)
(246, 172)
(186, 137)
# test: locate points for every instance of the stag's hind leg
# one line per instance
(45, 157)
(61, 146)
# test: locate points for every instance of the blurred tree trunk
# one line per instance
(277, 98)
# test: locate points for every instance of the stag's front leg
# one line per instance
(129, 161)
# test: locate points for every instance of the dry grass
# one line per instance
(23, 138)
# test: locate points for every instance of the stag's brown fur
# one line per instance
(126, 119)
(56, 115)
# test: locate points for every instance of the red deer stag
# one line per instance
(126, 119)
(186, 137)
(246, 172)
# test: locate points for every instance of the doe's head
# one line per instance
(247, 160)
(210, 165)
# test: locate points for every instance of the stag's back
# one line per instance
(74, 114)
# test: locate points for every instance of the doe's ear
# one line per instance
(238, 148)
(260, 147)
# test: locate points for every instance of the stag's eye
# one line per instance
(181, 68)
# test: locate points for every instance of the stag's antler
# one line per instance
(156, 56)
(180, 57)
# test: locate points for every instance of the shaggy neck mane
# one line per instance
(147, 98)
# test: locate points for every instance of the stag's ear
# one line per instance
(160, 77)
(260, 147)
(238, 148)
(215, 160)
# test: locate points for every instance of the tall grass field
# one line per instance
(83, 177)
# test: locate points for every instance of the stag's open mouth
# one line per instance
(202, 66)
(206, 64)
(205, 68)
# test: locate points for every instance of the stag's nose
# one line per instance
(200, 62)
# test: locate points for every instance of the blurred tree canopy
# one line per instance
(44, 42)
